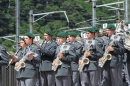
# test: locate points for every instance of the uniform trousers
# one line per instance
(27, 82)
(75, 78)
(63, 81)
(47, 78)
(89, 78)
(127, 73)
(112, 76)
(38, 82)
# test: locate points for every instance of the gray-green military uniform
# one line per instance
(27, 75)
(63, 73)
(47, 56)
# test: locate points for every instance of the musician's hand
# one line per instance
(53, 64)
(88, 53)
(100, 59)
(14, 57)
(110, 48)
(80, 62)
(17, 64)
(60, 55)
(31, 56)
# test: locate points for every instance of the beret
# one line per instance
(72, 34)
(29, 35)
(62, 34)
(49, 32)
(111, 27)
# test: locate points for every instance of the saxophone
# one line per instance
(22, 62)
(127, 41)
(85, 60)
(57, 60)
(106, 55)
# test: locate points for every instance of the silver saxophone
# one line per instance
(57, 61)
(127, 41)
(106, 55)
(85, 60)
(22, 61)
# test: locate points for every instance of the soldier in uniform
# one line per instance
(66, 54)
(89, 74)
(111, 68)
(3, 60)
(28, 73)
(74, 65)
(48, 49)
(126, 26)
(15, 58)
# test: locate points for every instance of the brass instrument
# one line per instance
(127, 41)
(106, 55)
(85, 60)
(38, 43)
(11, 54)
(22, 61)
(57, 60)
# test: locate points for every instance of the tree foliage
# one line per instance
(77, 11)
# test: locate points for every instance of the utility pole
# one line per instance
(31, 21)
(17, 11)
(93, 12)
(127, 10)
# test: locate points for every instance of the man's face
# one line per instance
(109, 32)
(61, 40)
(22, 43)
(47, 37)
(71, 38)
(90, 35)
(27, 40)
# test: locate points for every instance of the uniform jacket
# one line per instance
(96, 52)
(47, 55)
(117, 53)
(30, 69)
(68, 56)
(78, 51)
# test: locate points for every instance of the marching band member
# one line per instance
(48, 49)
(3, 60)
(89, 74)
(110, 70)
(74, 64)
(65, 54)
(28, 72)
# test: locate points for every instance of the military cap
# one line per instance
(22, 39)
(62, 34)
(99, 35)
(91, 29)
(96, 28)
(29, 35)
(111, 27)
(79, 34)
(49, 32)
(72, 34)
(127, 23)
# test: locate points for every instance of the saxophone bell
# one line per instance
(86, 61)
(109, 56)
(23, 64)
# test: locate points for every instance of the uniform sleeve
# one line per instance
(37, 55)
(119, 48)
(78, 51)
(49, 50)
(98, 53)
(3, 56)
(69, 55)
